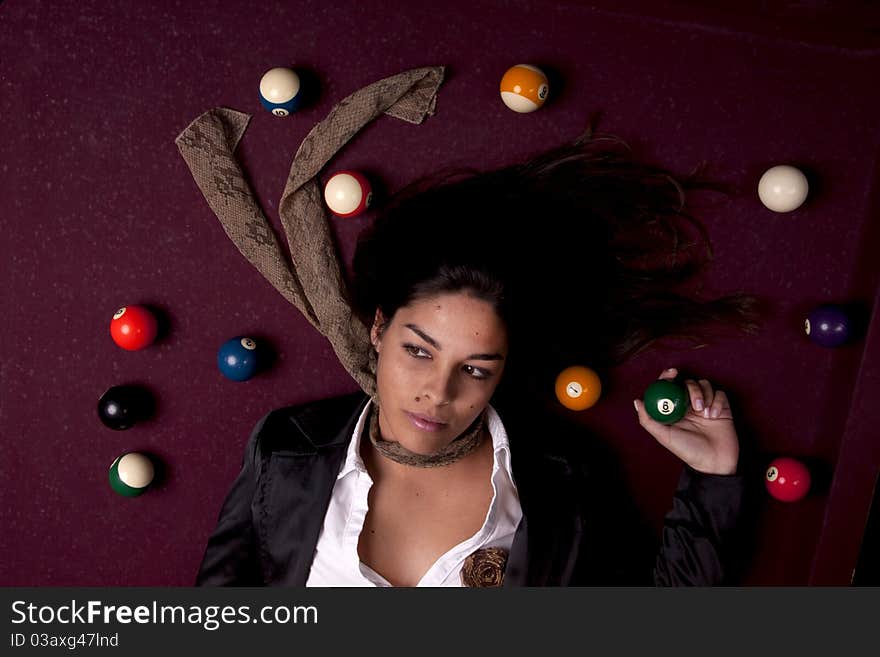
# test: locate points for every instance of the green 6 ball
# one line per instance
(666, 401)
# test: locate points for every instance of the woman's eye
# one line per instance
(477, 373)
(412, 348)
(473, 372)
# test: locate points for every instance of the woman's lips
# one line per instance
(424, 425)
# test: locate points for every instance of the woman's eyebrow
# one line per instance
(431, 341)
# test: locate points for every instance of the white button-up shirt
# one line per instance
(336, 561)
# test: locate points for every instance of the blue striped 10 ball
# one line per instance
(281, 91)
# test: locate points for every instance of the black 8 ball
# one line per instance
(121, 407)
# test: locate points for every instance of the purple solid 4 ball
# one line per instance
(828, 325)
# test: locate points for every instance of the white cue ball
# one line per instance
(783, 188)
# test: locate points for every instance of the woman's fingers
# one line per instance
(701, 397)
(669, 374)
(720, 406)
(708, 396)
(695, 394)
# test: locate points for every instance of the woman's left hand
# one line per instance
(706, 439)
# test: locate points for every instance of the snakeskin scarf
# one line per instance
(312, 278)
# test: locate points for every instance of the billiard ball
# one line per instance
(348, 193)
(828, 325)
(121, 407)
(133, 327)
(238, 358)
(578, 387)
(783, 188)
(666, 401)
(131, 474)
(524, 88)
(787, 479)
(281, 91)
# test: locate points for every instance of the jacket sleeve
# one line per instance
(231, 557)
(617, 549)
(697, 531)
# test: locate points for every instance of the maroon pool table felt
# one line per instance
(100, 211)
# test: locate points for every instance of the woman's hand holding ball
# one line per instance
(703, 435)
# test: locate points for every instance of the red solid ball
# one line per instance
(133, 327)
(787, 479)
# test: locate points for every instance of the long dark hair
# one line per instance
(579, 249)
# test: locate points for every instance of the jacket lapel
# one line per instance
(300, 469)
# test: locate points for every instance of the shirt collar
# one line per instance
(500, 442)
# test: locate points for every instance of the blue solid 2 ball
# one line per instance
(237, 359)
(281, 91)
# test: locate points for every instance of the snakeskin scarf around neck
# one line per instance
(464, 444)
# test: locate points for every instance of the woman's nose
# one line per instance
(439, 389)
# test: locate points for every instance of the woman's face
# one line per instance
(441, 357)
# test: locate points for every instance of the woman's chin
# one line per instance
(422, 442)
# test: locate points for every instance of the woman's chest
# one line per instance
(407, 528)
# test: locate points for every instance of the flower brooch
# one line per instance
(485, 567)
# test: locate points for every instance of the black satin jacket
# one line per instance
(571, 533)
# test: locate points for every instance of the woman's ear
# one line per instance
(375, 332)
